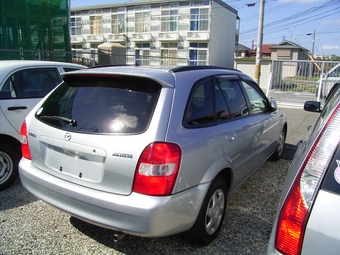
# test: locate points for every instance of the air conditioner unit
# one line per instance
(134, 36)
(160, 35)
(191, 35)
(89, 37)
(110, 36)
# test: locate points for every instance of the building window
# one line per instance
(198, 53)
(199, 3)
(169, 20)
(77, 47)
(142, 22)
(199, 19)
(142, 52)
(75, 25)
(284, 53)
(117, 23)
(77, 50)
(169, 54)
(96, 25)
(118, 20)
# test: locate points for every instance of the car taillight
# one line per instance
(25, 150)
(157, 169)
(295, 211)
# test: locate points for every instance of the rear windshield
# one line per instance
(101, 104)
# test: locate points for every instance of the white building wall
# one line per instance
(183, 28)
(222, 36)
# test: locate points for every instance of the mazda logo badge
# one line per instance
(68, 136)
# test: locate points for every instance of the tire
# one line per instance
(211, 215)
(9, 160)
(279, 150)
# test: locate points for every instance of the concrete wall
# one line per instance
(247, 66)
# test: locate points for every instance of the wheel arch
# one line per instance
(285, 126)
(227, 176)
(12, 142)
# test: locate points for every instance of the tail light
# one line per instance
(296, 208)
(25, 150)
(157, 169)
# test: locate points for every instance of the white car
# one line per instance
(329, 79)
(307, 221)
(22, 85)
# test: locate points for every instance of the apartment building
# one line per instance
(159, 32)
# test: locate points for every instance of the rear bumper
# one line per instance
(134, 214)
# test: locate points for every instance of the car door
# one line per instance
(332, 77)
(23, 89)
(268, 119)
(239, 131)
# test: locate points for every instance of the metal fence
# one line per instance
(91, 58)
(10, 54)
(302, 80)
(288, 81)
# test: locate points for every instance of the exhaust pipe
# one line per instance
(118, 236)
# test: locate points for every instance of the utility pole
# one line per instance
(238, 39)
(313, 42)
(311, 56)
(259, 43)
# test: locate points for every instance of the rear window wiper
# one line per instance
(71, 122)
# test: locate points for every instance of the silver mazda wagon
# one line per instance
(149, 151)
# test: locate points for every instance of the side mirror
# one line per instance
(312, 106)
(273, 104)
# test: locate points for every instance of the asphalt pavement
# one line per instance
(298, 120)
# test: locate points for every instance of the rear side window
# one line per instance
(30, 83)
(101, 104)
(215, 100)
(201, 105)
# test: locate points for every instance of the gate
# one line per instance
(302, 80)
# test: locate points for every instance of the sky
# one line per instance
(298, 21)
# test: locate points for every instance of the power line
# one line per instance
(280, 27)
(269, 11)
(295, 16)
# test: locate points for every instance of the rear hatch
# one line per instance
(92, 129)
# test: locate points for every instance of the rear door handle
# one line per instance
(14, 108)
